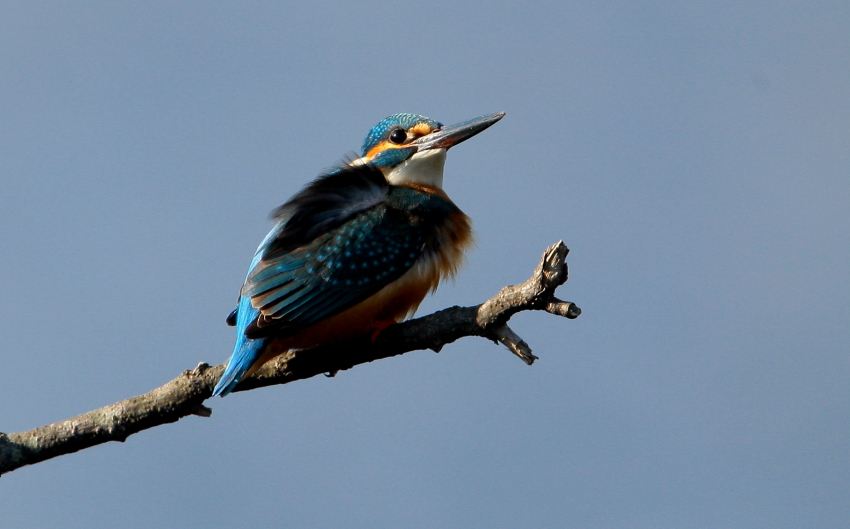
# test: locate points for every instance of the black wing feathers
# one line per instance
(325, 204)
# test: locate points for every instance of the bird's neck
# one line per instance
(423, 168)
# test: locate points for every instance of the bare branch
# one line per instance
(512, 341)
(185, 395)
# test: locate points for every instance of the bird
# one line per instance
(357, 249)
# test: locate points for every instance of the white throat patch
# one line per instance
(424, 168)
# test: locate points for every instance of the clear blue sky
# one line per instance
(694, 156)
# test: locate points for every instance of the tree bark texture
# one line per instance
(185, 394)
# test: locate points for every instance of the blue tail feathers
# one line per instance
(245, 353)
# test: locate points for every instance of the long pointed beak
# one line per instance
(451, 136)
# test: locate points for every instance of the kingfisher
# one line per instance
(357, 249)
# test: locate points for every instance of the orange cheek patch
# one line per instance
(421, 129)
(381, 147)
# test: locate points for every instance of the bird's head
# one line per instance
(409, 148)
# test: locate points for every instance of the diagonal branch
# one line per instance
(185, 394)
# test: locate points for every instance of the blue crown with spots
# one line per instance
(382, 130)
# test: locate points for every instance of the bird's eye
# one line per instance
(398, 136)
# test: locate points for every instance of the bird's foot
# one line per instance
(379, 328)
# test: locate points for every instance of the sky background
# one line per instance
(694, 156)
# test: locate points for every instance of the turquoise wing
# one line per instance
(337, 270)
